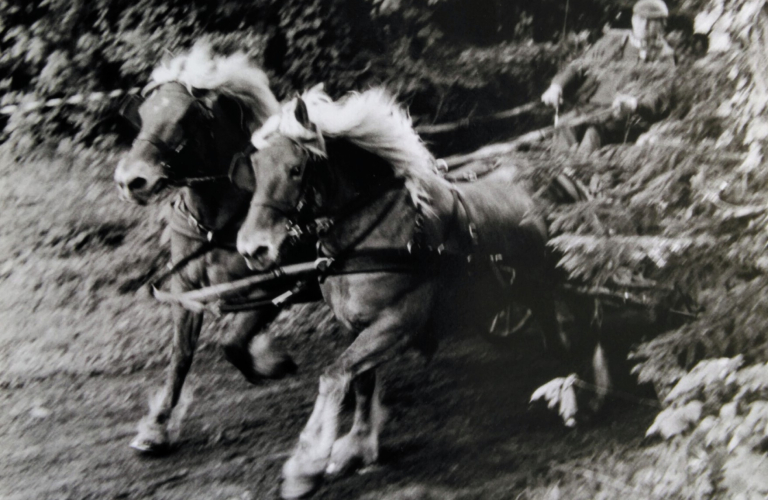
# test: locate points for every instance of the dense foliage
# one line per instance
(445, 58)
(679, 226)
(678, 222)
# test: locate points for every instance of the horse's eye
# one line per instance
(295, 171)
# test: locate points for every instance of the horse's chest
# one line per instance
(358, 301)
(223, 266)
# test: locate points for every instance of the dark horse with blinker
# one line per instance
(409, 255)
(198, 113)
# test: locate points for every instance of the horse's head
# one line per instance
(200, 109)
(370, 143)
(175, 142)
(277, 175)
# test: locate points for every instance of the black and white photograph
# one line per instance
(384, 249)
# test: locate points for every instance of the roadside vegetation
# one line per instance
(677, 229)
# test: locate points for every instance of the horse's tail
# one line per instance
(564, 189)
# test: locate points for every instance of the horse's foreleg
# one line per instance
(304, 470)
(153, 434)
(252, 350)
(361, 445)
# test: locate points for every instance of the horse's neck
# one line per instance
(334, 190)
(229, 134)
(349, 173)
(216, 203)
(381, 214)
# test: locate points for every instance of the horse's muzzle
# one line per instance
(138, 182)
(258, 257)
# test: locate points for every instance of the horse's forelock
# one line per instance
(286, 124)
(231, 75)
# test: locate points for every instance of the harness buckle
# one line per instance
(209, 236)
(323, 225)
(323, 263)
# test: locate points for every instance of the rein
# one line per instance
(413, 259)
(186, 224)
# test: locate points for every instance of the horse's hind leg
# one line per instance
(590, 354)
(580, 352)
(533, 292)
(361, 445)
(252, 350)
(153, 436)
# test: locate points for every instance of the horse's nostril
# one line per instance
(257, 253)
(137, 183)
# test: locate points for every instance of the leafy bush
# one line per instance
(59, 48)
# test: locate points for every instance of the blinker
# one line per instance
(129, 109)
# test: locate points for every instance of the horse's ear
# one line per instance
(129, 109)
(148, 88)
(301, 113)
(241, 170)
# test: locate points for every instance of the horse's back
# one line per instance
(505, 215)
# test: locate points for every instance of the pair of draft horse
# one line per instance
(411, 254)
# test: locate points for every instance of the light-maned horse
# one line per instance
(413, 255)
(199, 111)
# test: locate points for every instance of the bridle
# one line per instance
(174, 155)
(305, 217)
(297, 213)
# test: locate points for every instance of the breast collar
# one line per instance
(184, 222)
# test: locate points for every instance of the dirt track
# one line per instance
(459, 428)
(81, 351)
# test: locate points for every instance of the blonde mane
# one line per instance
(234, 76)
(372, 120)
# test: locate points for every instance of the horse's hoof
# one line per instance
(299, 486)
(150, 448)
(337, 470)
(345, 467)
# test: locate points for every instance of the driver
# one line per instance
(630, 72)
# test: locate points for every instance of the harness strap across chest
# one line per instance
(184, 222)
(417, 258)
